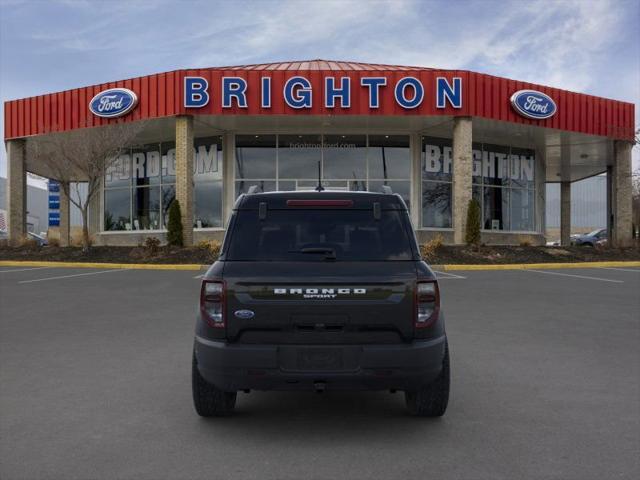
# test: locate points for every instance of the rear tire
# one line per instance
(432, 400)
(209, 400)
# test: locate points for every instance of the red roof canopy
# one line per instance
(161, 95)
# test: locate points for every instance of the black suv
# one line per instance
(320, 290)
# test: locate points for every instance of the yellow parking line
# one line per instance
(539, 266)
(136, 266)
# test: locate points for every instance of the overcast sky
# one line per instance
(582, 45)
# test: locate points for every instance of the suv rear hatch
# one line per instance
(327, 272)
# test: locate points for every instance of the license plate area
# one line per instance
(320, 358)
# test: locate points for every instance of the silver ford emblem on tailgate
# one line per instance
(244, 314)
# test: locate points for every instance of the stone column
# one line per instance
(16, 191)
(416, 179)
(462, 175)
(620, 234)
(565, 213)
(228, 172)
(65, 216)
(184, 174)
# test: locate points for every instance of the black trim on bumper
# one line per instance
(233, 367)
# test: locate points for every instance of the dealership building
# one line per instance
(437, 137)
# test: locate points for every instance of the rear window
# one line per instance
(320, 235)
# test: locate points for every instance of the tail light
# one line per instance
(427, 303)
(212, 303)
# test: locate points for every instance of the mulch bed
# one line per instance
(462, 255)
(169, 255)
(445, 254)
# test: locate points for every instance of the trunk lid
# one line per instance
(320, 302)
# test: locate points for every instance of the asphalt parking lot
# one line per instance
(95, 384)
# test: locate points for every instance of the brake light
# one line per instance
(212, 302)
(319, 203)
(427, 303)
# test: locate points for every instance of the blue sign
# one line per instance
(54, 203)
(54, 219)
(533, 104)
(54, 187)
(114, 102)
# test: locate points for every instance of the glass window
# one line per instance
(522, 167)
(495, 165)
(146, 208)
(298, 156)
(145, 165)
(437, 163)
(118, 174)
(242, 186)
(208, 205)
(285, 185)
(168, 195)
(255, 156)
(117, 213)
(344, 156)
(168, 162)
(477, 154)
(476, 194)
(350, 235)
(436, 204)
(402, 187)
(496, 210)
(207, 160)
(389, 156)
(522, 210)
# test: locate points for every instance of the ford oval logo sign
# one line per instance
(244, 314)
(114, 102)
(533, 104)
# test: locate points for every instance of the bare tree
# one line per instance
(635, 192)
(83, 156)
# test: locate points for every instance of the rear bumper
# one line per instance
(233, 367)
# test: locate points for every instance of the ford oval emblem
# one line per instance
(533, 104)
(114, 102)
(244, 314)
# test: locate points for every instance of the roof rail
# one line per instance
(386, 189)
(252, 189)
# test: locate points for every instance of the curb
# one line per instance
(132, 266)
(195, 266)
(541, 266)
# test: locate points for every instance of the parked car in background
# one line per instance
(590, 239)
(42, 241)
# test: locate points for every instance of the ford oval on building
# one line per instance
(533, 104)
(114, 102)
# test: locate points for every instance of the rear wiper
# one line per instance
(330, 253)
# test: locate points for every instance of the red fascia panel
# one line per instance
(161, 95)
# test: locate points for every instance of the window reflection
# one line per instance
(255, 156)
(117, 213)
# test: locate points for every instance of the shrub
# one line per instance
(152, 245)
(524, 241)
(430, 248)
(54, 242)
(212, 246)
(28, 243)
(75, 238)
(472, 233)
(174, 227)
